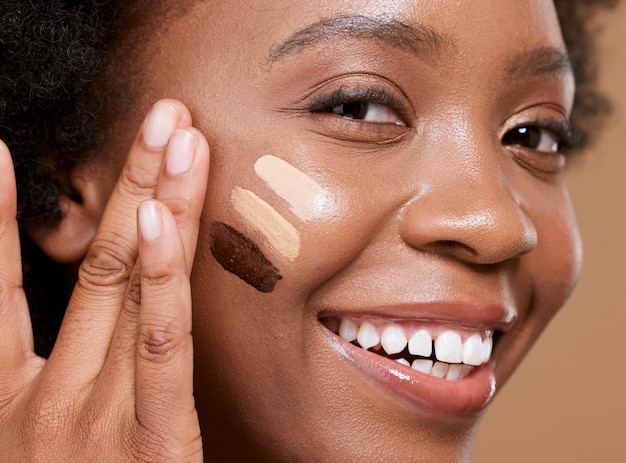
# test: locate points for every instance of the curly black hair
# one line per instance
(50, 52)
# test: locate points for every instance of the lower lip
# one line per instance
(463, 398)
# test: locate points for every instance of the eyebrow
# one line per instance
(538, 62)
(417, 39)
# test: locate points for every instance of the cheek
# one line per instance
(267, 218)
(557, 261)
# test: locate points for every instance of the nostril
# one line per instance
(452, 243)
(486, 225)
(451, 248)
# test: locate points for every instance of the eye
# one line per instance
(367, 112)
(542, 144)
(360, 108)
(535, 138)
(362, 104)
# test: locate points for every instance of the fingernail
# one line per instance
(149, 220)
(160, 125)
(180, 152)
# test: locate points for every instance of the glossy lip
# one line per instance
(439, 397)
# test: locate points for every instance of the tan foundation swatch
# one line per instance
(280, 234)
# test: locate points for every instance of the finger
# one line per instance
(164, 355)
(94, 307)
(16, 338)
(182, 185)
(183, 182)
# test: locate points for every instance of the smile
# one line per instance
(434, 350)
(433, 357)
(431, 349)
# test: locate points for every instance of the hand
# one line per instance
(118, 385)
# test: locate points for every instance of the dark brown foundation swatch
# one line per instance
(240, 256)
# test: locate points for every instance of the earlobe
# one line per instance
(67, 242)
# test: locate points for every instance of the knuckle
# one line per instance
(136, 180)
(163, 274)
(107, 263)
(180, 207)
(134, 290)
(158, 342)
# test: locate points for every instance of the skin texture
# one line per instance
(431, 203)
(118, 385)
(435, 209)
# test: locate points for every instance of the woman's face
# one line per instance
(385, 170)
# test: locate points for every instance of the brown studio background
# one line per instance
(567, 402)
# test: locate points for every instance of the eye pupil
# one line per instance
(523, 136)
(356, 110)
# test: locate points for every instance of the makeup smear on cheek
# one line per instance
(306, 198)
(279, 233)
(239, 255)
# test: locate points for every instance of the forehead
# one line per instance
(467, 22)
(180, 48)
(253, 31)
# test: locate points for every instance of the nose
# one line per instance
(468, 209)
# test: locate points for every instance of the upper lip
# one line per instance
(497, 317)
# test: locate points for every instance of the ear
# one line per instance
(68, 241)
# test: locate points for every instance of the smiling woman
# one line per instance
(386, 229)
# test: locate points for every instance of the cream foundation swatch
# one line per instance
(306, 198)
(280, 234)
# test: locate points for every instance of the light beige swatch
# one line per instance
(280, 234)
(306, 198)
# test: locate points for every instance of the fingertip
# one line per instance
(159, 235)
(187, 148)
(160, 125)
(150, 218)
(164, 118)
(182, 110)
(181, 152)
(202, 158)
(203, 145)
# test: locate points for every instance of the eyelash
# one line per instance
(568, 139)
(341, 96)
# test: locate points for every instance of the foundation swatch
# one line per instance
(306, 198)
(280, 234)
(239, 255)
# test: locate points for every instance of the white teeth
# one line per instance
(449, 347)
(454, 372)
(473, 350)
(368, 336)
(404, 362)
(422, 365)
(439, 370)
(348, 330)
(393, 339)
(421, 343)
(466, 370)
(487, 346)
(456, 359)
